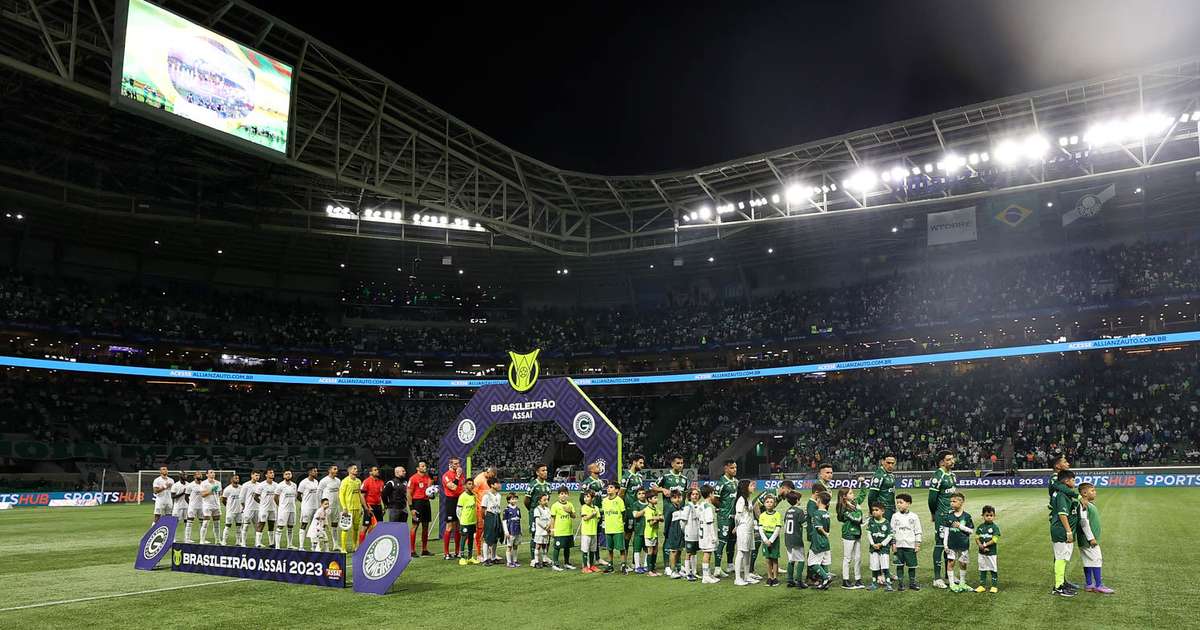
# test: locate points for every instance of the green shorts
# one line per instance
(674, 538)
(771, 551)
(615, 542)
(906, 558)
(691, 546)
(724, 523)
(638, 540)
(563, 542)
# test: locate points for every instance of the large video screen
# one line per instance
(174, 66)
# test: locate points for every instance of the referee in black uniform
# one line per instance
(395, 497)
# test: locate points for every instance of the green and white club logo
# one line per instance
(380, 557)
(466, 430)
(156, 542)
(584, 425)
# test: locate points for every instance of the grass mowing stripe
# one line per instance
(145, 592)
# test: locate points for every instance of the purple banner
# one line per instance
(317, 568)
(381, 558)
(156, 542)
(549, 400)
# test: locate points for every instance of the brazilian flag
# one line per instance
(1011, 215)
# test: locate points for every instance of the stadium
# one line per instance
(283, 342)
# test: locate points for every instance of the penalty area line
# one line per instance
(115, 595)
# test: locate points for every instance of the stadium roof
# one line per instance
(360, 141)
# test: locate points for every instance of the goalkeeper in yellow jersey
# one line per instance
(351, 497)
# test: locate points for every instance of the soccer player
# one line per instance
(395, 499)
(959, 528)
(638, 532)
(309, 490)
(353, 505)
(512, 531)
(483, 481)
(629, 489)
(162, 493)
(652, 517)
(492, 530)
(941, 487)
(770, 524)
(589, 527)
(988, 536)
(179, 499)
(249, 506)
(906, 544)
(1064, 520)
(468, 520)
(883, 487)
(562, 527)
(666, 485)
(1059, 462)
(851, 518)
(422, 514)
(793, 540)
(538, 488)
(726, 497)
(285, 504)
(267, 509)
(1089, 541)
(195, 503)
(452, 488)
(614, 527)
(231, 497)
(372, 489)
(210, 506)
(329, 486)
(818, 549)
(879, 541)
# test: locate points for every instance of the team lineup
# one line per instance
(627, 526)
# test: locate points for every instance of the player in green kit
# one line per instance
(1058, 463)
(629, 486)
(793, 540)
(1064, 520)
(988, 536)
(674, 480)
(942, 486)
(882, 489)
(538, 488)
(614, 527)
(760, 504)
(726, 496)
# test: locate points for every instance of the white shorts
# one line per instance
(961, 555)
(180, 510)
(266, 515)
(162, 509)
(306, 514)
(815, 558)
(650, 542)
(250, 518)
(880, 561)
(232, 517)
(1062, 551)
(286, 519)
(541, 539)
(212, 511)
(195, 511)
(985, 562)
(746, 539)
(795, 555)
(1091, 556)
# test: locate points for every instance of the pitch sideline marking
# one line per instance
(89, 599)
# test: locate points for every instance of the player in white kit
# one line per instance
(210, 506)
(162, 494)
(249, 506)
(285, 501)
(310, 500)
(231, 496)
(329, 486)
(195, 504)
(179, 499)
(266, 508)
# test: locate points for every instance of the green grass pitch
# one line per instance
(51, 556)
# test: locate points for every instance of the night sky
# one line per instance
(631, 88)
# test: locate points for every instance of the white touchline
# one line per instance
(89, 599)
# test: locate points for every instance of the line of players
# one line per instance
(263, 504)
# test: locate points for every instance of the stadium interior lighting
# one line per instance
(794, 193)
(775, 198)
(341, 265)
(711, 259)
(1122, 130)
(770, 250)
(220, 251)
(725, 208)
(1137, 191)
(862, 180)
(1034, 147)
(1007, 152)
(705, 212)
(895, 229)
(694, 215)
(460, 272)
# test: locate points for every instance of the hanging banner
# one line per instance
(1089, 204)
(316, 568)
(156, 542)
(952, 226)
(381, 558)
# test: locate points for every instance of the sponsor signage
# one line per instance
(315, 568)
(156, 542)
(382, 557)
(952, 226)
